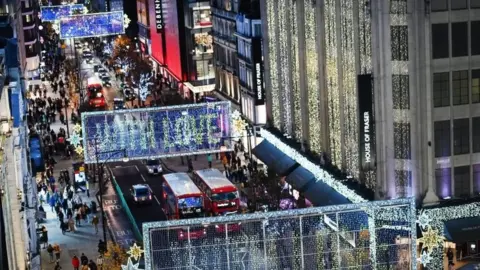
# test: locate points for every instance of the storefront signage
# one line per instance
(158, 15)
(367, 132)
(257, 60)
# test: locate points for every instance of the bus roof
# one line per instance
(93, 81)
(214, 179)
(181, 184)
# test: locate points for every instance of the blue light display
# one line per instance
(53, 13)
(92, 25)
(192, 202)
(157, 132)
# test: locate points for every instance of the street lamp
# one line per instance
(100, 179)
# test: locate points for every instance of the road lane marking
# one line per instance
(156, 199)
(137, 168)
(144, 180)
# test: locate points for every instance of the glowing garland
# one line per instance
(272, 23)
(318, 172)
(76, 139)
(126, 21)
(144, 85)
(432, 222)
(238, 125)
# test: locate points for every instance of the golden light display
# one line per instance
(431, 239)
(135, 252)
(272, 45)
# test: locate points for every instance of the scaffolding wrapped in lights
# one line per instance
(332, 237)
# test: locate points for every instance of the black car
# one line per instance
(118, 104)
(129, 94)
(106, 81)
(96, 68)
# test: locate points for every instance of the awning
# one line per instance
(463, 230)
(300, 179)
(275, 159)
(321, 194)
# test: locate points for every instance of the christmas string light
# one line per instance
(159, 132)
(297, 96)
(53, 13)
(303, 232)
(272, 23)
(92, 25)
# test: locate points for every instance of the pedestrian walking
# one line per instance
(71, 225)
(57, 266)
(50, 253)
(100, 261)
(209, 159)
(95, 222)
(75, 262)
(92, 265)
(84, 259)
(56, 251)
(44, 237)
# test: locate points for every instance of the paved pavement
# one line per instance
(175, 164)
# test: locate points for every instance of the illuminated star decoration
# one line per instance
(56, 27)
(75, 139)
(130, 265)
(135, 252)
(126, 21)
(238, 124)
(425, 258)
(85, 10)
(430, 239)
(77, 128)
(424, 220)
(79, 150)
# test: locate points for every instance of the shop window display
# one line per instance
(202, 18)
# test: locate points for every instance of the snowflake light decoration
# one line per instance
(130, 265)
(77, 128)
(135, 252)
(56, 27)
(424, 220)
(75, 139)
(126, 21)
(425, 258)
(431, 239)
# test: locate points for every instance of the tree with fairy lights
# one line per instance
(144, 85)
(115, 257)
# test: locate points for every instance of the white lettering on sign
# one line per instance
(258, 72)
(107, 202)
(366, 137)
(158, 14)
(115, 207)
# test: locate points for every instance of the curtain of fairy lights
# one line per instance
(311, 59)
(285, 66)
(273, 65)
(365, 42)
(298, 123)
(349, 83)
(400, 90)
(332, 82)
(365, 37)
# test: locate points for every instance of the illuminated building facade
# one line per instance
(182, 45)
(143, 22)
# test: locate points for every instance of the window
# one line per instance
(399, 42)
(201, 18)
(442, 138)
(476, 178)
(475, 3)
(440, 38)
(475, 82)
(401, 140)
(257, 29)
(461, 180)
(401, 93)
(441, 89)
(458, 4)
(205, 69)
(443, 179)
(459, 39)
(476, 134)
(398, 6)
(475, 37)
(461, 136)
(439, 5)
(460, 87)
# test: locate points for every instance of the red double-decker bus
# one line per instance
(221, 196)
(183, 199)
(95, 96)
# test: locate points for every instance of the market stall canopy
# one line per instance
(275, 159)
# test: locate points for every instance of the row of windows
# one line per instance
(225, 57)
(249, 28)
(457, 37)
(245, 76)
(461, 85)
(461, 181)
(224, 28)
(444, 5)
(461, 137)
(244, 49)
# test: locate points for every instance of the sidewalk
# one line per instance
(174, 164)
(84, 240)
